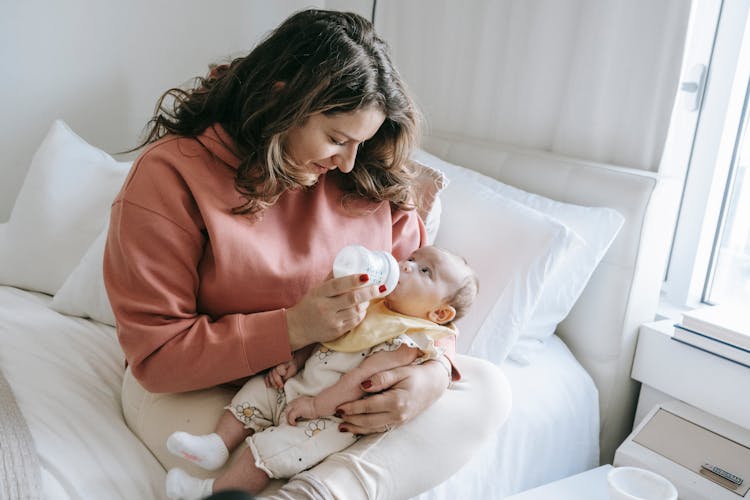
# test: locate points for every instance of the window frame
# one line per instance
(711, 152)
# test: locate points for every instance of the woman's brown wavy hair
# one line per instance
(329, 62)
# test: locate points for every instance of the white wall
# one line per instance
(101, 64)
(592, 79)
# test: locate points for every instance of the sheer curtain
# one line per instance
(594, 79)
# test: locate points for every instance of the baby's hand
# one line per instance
(302, 407)
(280, 373)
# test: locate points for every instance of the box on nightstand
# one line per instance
(705, 457)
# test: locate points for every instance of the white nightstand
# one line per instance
(589, 485)
(693, 410)
(671, 370)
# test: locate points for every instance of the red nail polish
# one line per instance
(381, 289)
(366, 384)
(339, 414)
(343, 429)
(364, 278)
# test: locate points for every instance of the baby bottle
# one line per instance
(380, 266)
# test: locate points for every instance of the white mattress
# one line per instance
(66, 374)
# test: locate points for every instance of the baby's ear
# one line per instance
(442, 314)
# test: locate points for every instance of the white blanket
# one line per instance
(19, 466)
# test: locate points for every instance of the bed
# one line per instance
(566, 351)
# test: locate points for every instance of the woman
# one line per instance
(221, 240)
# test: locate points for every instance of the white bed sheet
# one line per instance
(69, 393)
(552, 431)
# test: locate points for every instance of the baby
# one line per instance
(435, 287)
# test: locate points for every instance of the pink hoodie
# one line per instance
(200, 293)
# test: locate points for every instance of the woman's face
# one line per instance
(326, 142)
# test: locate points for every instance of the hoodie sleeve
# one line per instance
(151, 266)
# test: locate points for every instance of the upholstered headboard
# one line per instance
(623, 292)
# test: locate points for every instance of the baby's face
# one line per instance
(428, 277)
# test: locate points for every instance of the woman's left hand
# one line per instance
(406, 392)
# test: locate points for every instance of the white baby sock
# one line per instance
(183, 486)
(207, 451)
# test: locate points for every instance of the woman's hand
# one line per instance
(406, 392)
(329, 310)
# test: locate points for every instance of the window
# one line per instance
(710, 258)
(729, 270)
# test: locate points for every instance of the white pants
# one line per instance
(399, 464)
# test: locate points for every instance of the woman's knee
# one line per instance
(153, 417)
(486, 391)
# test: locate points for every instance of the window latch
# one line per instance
(694, 87)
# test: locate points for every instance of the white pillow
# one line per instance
(83, 293)
(597, 226)
(512, 248)
(61, 208)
